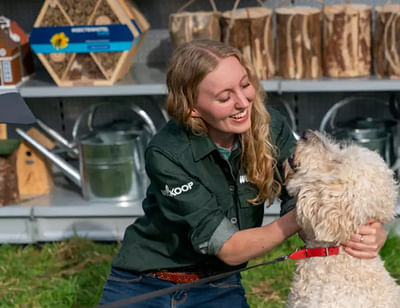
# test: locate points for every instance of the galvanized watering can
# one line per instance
(111, 161)
(376, 134)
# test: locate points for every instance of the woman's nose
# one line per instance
(241, 100)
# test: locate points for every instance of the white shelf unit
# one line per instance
(144, 80)
(64, 213)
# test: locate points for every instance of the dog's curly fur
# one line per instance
(339, 187)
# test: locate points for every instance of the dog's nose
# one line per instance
(304, 135)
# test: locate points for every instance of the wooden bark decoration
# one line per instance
(298, 42)
(347, 40)
(187, 26)
(386, 44)
(8, 179)
(252, 34)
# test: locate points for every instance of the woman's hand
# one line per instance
(367, 243)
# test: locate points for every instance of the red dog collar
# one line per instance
(314, 252)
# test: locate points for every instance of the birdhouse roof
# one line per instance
(7, 43)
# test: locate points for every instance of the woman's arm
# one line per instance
(250, 243)
(367, 243)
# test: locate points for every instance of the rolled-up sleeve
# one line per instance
(184, 200)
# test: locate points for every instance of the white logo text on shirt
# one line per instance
(172, 192)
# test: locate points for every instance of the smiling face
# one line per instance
(224, 101)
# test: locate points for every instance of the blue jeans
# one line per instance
(227, 292)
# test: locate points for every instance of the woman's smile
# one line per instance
(242, 116)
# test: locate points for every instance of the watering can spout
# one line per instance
(65, 167)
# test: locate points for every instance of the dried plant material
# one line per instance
(84, 68)
(105, 10)
(108, 60)
(79, 11)
(53, 18)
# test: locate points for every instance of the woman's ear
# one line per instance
(195, 114)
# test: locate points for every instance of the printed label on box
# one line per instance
(81, 39)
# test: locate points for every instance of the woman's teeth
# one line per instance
(239, 115)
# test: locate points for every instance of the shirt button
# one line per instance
(234, 220)
(231, 188)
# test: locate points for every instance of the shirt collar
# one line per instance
(202, 146)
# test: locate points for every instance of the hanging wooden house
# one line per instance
(386, 41)
(19, 36)
(251, 31)
(21, 40)
(187, 26)
(10, 61)
(347, 40)
(298, 42)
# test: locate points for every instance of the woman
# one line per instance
(211, 169)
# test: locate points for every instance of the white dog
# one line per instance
(338, 188)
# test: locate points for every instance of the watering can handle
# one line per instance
(92, 109)
(331, 113)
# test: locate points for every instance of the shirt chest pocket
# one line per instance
(250, 215)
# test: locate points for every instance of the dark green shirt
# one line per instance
(196, 201)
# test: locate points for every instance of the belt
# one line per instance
(176, 277)
(185, 274)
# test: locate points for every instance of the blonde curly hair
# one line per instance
(189, 65)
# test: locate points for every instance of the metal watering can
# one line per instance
(111, 161)
(375, 134)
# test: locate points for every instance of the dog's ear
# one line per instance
(325, 214)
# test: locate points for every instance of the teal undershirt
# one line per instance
(225, 153)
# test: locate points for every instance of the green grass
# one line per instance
(63, 274)
(72, 273)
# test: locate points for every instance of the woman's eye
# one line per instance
(245, 85)
(224, 99)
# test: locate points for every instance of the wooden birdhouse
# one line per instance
(87, 42)
(18, 35)
(16, 56)
(10, 65)
(33, 169)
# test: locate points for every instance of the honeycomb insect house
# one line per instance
(88, 42)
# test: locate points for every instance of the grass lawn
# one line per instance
(72, 273)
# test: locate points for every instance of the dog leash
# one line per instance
(297, 255)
